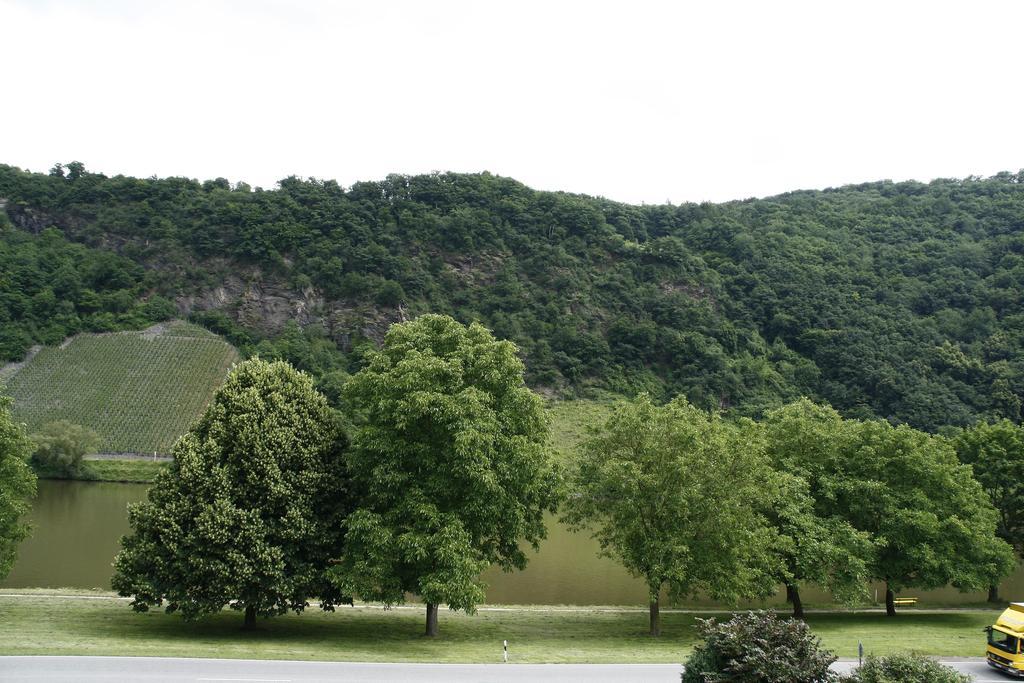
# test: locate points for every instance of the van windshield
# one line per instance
(1003, 641)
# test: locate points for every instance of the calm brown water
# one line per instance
(76, 531)
(78, 526)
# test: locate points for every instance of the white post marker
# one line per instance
(505, 645)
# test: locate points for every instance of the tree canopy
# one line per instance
(931, 521)
(820, 545)
(678, 496)
(251, 510)
(995, 453)
(17, 486)
(449, 464)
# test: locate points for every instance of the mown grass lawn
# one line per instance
(46, 623)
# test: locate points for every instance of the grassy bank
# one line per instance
(135, 471)
(40, 622)
(571, 421)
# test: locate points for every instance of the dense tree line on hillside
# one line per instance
(892, 300)
(51, 288)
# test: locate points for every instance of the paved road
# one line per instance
(152, 669)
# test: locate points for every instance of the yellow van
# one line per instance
(1004, 641)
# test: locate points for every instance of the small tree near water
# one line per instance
(61, 446)
(249, 513)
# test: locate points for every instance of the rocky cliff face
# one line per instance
(259, 302)
(253, 298)
(29, 219)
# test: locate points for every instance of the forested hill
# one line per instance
(898, 300)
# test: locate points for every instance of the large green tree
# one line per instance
(995, 452)
(930, 520)
(449, 463)
(678, 496)
(250, 512)
(17, 485)
(821, 546)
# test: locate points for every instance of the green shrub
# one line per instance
(758, 647)
(61, 445)
(906, 668)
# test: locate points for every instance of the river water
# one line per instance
(78, 526)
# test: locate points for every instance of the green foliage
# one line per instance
(61, 445)
(898, 301)
(995, 453)
(449, 463)
(819, 545)
(929, 522)
(250, 511)
(758, 647)
(17, 485)
(51, 288)
(678, 496)
(138, 391)
(332, 384)
(932, 523)
(906, 668)
(822, 549)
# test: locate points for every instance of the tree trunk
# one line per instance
(431, 620)
(655, 618)
(890, 601)
(250, 618)
(993, 593)
(789, 593)
(793, 594)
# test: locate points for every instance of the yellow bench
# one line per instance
(904, 601)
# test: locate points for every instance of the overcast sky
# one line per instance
(636, 101)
